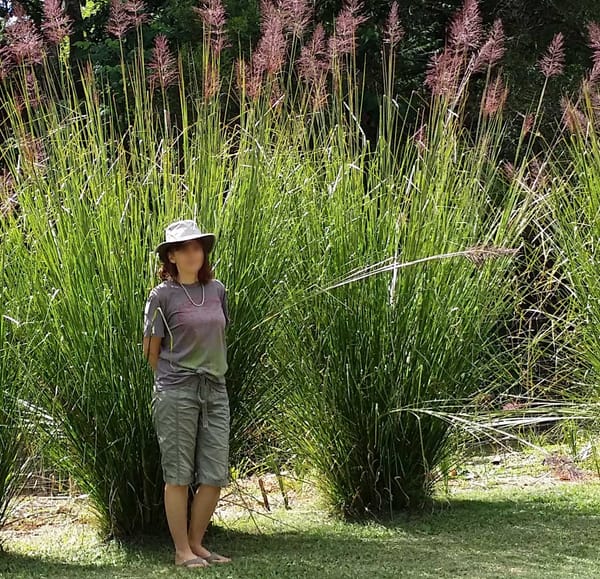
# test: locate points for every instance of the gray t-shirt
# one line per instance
(193, 337)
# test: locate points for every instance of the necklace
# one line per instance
(190, 297)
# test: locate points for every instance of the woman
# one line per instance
(184, 341)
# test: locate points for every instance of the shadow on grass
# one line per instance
(556, 534)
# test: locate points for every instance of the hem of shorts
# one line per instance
(213, 482)
(174, 481)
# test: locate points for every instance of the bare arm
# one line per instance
(151, 349)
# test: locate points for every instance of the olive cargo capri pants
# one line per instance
(192, 425)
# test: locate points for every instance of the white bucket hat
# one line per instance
(183, 230)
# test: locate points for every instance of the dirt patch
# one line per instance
(263, 494)
(519, 470)
(259, 494)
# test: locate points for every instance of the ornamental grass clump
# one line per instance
(409, 247)
(91, 203)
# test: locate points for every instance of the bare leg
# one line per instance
(176, 497)
(203, 507)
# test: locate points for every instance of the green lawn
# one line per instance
(489, 525)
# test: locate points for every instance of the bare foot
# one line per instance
(190, 559)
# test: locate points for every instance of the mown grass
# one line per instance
(497, 530)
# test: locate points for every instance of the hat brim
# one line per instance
(208, 238)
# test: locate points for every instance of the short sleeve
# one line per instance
(153, 316)
(225, 308)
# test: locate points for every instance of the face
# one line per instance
(188, 256)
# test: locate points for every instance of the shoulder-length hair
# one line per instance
(168, 270)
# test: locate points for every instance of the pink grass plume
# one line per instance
(347, 22)
(214, 18)
(573, 119)
(57, 24)
(313, 62)
(162, 64)
(552, 63)
(495, 96)
(443, 73)
(297, 15)
(24, 43)
(492, 50)
(270, 53)
(124, 16)
(393, 32)
(466, 28)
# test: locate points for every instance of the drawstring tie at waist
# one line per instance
(203, 397)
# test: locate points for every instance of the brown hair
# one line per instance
(168, 270)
